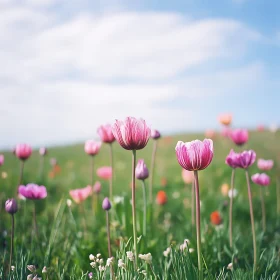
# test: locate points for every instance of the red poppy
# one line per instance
(216, 218)
(161, 198)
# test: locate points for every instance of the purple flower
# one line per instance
(106, 205)
(11, 206)
(33, 191)
(194, 155)
(265, 164)
(106, 134)
(90, 275)
(155, 134)
(232, 159)
(239, 136)
(141, 170)
(261, 179)
(246, 159)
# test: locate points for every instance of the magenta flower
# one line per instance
(105, 133)
(11, 206)
(104, 172)
(79, 195)
(261, 179)
(43, 151)
(239, 136)
(155, 134)
(23, 151)
(232, 159)
(97, 187)
(265, 164)
(246, 159)
(131, 134)
(33, 191)
(141, 170)
(106, 205)
(2, 158)
(92, 147)
(194, 155)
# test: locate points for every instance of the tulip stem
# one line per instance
(42, 162)
(111, 179)
(193, 203)
(252, 219)
(230, 206)
(12, 243)
(21, 173)
(278, 195)
(144, 208)
(134, 208)
(91, 178)
(263, 209)
(109, 242)
(152, 171)
(198, 234)
(35, 222)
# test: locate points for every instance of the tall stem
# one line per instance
(252, 219)
(198, 234)
(109, 242)
(111, 179)
(21, 173)
(83, 212)
(144, 208)
(35, 222)
(12, 243)
(193, 203)
(91, 170)
(278, 194)
(134, 208)
(263, 209)
(152, 171)
(230, 206)
(42, 162)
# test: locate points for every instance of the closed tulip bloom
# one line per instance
(132, 133)
(97, 187)
(2, 158)
(11, 206)
(92, 147)
(33, 191)
(43, 151)
(79, 195)
(265, 164)
(233, 159)
(194, 155)
(106, 205)
(225, 119)
(239, 136)
(246, 159)
(187, 176)
(261, 179)
(104, 172)
(106, 134)
(161, 198)
(23, 151)
(155, 134)
(141, 170)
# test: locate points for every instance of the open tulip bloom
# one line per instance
(193, 156)
(132, 134)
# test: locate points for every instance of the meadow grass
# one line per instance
(67, 235)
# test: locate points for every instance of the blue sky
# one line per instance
(69, 66)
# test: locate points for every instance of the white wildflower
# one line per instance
(121, 264)
(130, 256)
(118, 199)
(191, 250)
(31, 268)
(93, 264)
(230, 266)
(29, 277)
(110, 261)
(101, 268)
(44, 270)
(232, 193)
(146, 257)
(91, 257)
(12, 268)
(167, 251)
(144, 272)
(98, 255)
(69, 202)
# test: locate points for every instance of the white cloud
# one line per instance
(61, 78)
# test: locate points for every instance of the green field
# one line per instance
(68, 235)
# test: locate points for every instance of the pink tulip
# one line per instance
(265, 164)
(33, 191)
(131, 134)
(141, 170)
(2, 158)
(105, 133)
(187, 176)
(246, 159)
(23, 151)
(104, 172)
(97, 187)
(155, 134)
(92, 147)
(79, 195)
(232, 159)
(194, 155)
(42, 151)
(239, 136)
(225, 119)
(261, 179)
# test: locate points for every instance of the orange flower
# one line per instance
(161, 198)
(216, 218)
(224, 189)
(225, 119)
